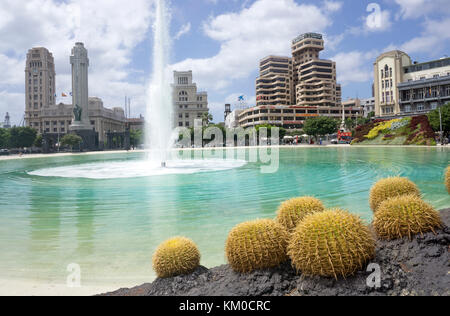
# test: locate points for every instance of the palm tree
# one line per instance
(207, 118)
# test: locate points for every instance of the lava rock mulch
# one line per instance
(417, 267)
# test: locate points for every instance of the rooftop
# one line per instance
(443, 62)
(307, 35)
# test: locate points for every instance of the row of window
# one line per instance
(183, 80)
(387, 97)
(386, 72)
(199, 106)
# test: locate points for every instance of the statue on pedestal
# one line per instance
(77, 111)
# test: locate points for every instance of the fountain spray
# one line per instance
(159, 117)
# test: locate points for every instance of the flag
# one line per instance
(70, 93)
(241, 98)
(63, 95)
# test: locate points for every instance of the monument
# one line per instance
(81, 124)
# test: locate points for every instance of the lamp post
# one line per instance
(441, 134)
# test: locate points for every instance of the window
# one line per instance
(382, 74)
(180, 124)
(407, 108)
(187, 124)
(420, 107)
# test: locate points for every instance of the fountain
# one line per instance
(159, 129)
(159, 125)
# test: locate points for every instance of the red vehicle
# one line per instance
(345, 137)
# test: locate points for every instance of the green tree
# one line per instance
(320, 126)
(362, 121)
(433, 117)
(207, 118)
(136, 138)
(21, 137)
(4, 138)
(71, 140)
(269, 127)
(38, 141)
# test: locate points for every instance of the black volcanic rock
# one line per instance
(408, 267)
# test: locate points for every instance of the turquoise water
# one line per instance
(111, 227)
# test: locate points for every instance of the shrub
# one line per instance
(331, 244)
(403, 216)
(447, 179)
(256, 245)
(380, 127)
(421, 130)
(176, 256)
(391, 187)
(293, 211)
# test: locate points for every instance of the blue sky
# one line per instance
(220, 40)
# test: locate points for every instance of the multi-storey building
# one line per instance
(314, 78)
(368, 106)
(291, 90)
(388, 73)
(274, 86)
(39, 85)
(58, 119)
(294, 116)
(54, 120)
(189, 104)
(404, 88)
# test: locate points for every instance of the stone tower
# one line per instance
(39, 85)
(80, 94)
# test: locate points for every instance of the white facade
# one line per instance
(232, 120)
(388, 73)
(368, 106)
(189, 104)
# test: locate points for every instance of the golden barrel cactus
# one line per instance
(405, 216)
(332, 243)
(391, 187)
(256, 245)
(291, 212)
(447, 179)
(176, 256)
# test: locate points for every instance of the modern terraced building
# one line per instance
(291, 89)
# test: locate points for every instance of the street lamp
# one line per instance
(440, 122)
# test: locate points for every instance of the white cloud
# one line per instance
(12, 103)
(266, 27)
(186, 28)
(378, 21)
(354, 66)
(333, 6)
(105, 26)
(433, 40)
(418, 8)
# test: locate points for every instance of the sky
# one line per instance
(221, 41)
